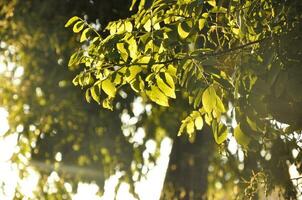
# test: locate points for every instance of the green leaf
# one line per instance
(132, 47)
(135, 85)
(241, 138)
(198, 123)
(209, 99)
(219, 104)
(122, 50)
(95, 93)
(157, 96)
(128, 26)
(190, 128)
(212, 2)
(87, 95)
(107, 103)
(170, 80)
(133, 71)
(184, 29)
(168, 91)
(132, 4)
(78, 26)
(221, 134)
(109, 88)
(73, 59)
(147, 25)
(201, 23)
(75, 81)
(71, 21)
(84, 35)
(182, 128)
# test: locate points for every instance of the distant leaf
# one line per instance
(184, 29)
(221, 133)
(201, 23)
(241, 137)
(71, 21)
(74, 59)
(212, 2)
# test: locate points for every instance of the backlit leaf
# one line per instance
(241, 137)
(157, 96)
(209, 99)
(170, 92)
(71, 21)
(109, 88)
(84, 35)
(184, 29)
(199, 123)
(78, 26)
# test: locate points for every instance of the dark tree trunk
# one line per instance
(187, 172)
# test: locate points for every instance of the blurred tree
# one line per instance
(233, 61)
(47, 112)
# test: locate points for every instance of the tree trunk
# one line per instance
(187, 172)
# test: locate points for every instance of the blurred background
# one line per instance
(55, 145)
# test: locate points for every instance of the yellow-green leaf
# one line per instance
(95, 92)
(147, 25)
(209, 99)
(77, 27)
(201, 23)
(87, 95)
(71, 21)
(134, 70)
(212, 2)
(109, 88)
(157, 96)
(190, 127)
(168, 91)
(221, 134)
(84, 35)
(170, 80)
(122, 50)
(184, 29)
(128, 26)
(132, 47)
(198, 123)
(241, 137)
(182, 128)
(219, 104)
(132, 4)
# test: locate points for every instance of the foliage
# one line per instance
(228, 59)
(204, 62)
